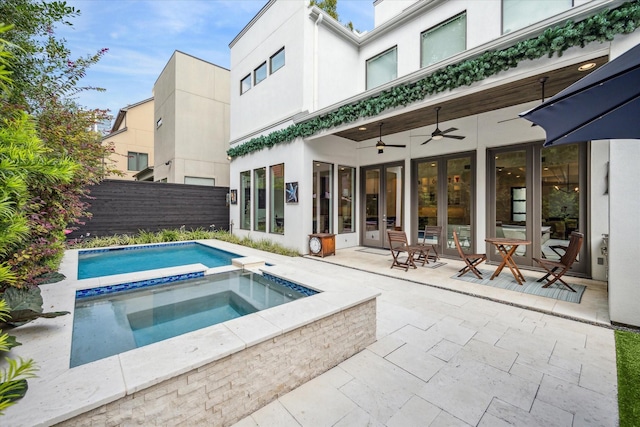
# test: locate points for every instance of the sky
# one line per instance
(142, 35)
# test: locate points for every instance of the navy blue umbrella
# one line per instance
(603, 105)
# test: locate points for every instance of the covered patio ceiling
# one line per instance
(507, 95)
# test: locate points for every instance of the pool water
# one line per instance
(110, 324)
(106, 262)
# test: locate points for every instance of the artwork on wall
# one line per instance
(234, 197)
(292, 192)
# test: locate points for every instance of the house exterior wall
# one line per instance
(341, 63)
(193, 104)
(283, 93)
(135, 134)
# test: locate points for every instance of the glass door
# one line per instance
(445, 198)
(537, 197)
(383, 207)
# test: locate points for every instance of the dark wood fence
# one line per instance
(126, 207)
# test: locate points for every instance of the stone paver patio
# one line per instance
(449, 358)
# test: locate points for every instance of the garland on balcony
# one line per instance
(601, 27)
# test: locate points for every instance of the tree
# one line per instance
(45, 80)
(329, 6)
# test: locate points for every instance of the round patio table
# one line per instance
(506, 248)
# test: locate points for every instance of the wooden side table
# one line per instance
(322, 244)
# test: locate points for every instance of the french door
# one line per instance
(445, 197)
(383, 208)
(537, 194)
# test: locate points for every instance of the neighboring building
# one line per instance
(310, 99)
(191, 122)
(132, 139)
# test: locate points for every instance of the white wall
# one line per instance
(281, 94)
(387, 9)
(624, 227)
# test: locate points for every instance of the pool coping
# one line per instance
(60, 392)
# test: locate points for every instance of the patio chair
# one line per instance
(557, 269)
(403, 253)
(431, 232)
(471, 260)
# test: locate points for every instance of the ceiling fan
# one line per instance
(439, 134)
(380, 145)
(542, 81)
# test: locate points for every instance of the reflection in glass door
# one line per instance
(537, 197)
(383, 205)
(445, 198)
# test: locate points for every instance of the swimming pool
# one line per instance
(108, 322)
(129, 259)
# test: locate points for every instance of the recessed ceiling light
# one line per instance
(587, 66)
(362, 128)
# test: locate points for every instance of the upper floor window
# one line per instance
(137, 161)
(260, 73)
(195, 180)
(382, 68)
(518, 14)
(444, 40)
(245, 84)
(276, 61)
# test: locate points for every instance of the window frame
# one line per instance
(242, 89)
(255, 73)
(437, 27)
(378, 56)
(135, 155)
(245, 200)
(274, 204)
(536, 19)
(271, 69)
(344, 205)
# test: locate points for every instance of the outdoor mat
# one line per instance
(506, 281)
(434, 264)
(375, 251)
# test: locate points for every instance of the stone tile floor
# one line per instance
(449, 354)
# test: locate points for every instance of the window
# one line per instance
(518, 14)
(276, 198)
(322, 197)
(194, 180)
(245, 200)
(260, 73)
(260, 200)
(382, 68)
(444, 40)
(276, 61)
(347, 209)
(137, 161)
(245, 84)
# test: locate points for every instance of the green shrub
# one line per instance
(146, 237)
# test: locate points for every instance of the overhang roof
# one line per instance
(509, 94)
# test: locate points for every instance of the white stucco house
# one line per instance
(441, 84)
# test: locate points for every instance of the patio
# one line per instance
(449, 354)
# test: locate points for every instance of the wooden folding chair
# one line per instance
(557, 269)
(403, 253)
(471, 260)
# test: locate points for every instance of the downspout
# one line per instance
(315, 62)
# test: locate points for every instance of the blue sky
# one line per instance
(142, 35)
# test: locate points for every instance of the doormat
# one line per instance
(506, 281)
(434, 264)
(375, 251)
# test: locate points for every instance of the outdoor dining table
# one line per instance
(506, 248)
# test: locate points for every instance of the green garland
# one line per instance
(601, 27)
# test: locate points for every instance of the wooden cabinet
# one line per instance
(322, 244)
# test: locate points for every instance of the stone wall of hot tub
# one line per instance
(227, 390)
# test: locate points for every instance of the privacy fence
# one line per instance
(126, 207)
